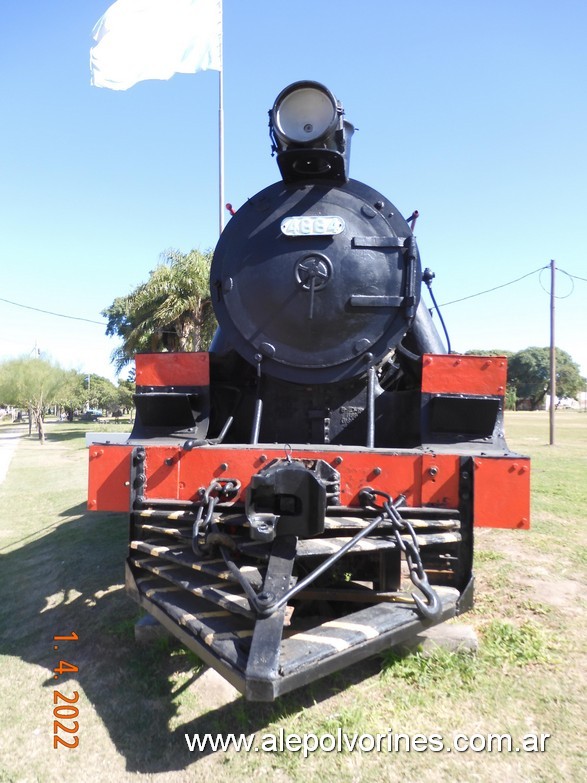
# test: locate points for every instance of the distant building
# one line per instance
(579, 404)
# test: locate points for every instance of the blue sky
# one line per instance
(473, 112)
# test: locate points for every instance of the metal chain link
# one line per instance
(214, 492)
(411, 550)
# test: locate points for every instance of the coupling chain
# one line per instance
(217, 490)
(411, 549)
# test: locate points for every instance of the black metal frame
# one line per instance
(248, 640)
(390, 625)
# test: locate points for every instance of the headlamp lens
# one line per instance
(305, 115)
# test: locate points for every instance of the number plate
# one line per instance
(312, 226)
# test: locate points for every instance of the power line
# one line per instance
(444, 304)
(571, 277)
(495, 288)
(575, 277)
(50, 312)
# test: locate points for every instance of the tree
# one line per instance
(529, 373)
(33, 384)
(491, 352)
(72, 395)
(101, 393)
(83, 391)
(172, 311)
(125, 398)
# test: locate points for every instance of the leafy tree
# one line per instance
(125, 392)
(87, 391)
(101, 393)
(172, 311)
(33, 384)
(72, 395)
(529, 374)
(490, 352)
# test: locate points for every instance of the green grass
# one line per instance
(62, 570)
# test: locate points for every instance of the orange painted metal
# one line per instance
(440, 480)
(501, 495)
(109, 477)
(173, 369)
(501, 484)
(453, 374)
(178, 474)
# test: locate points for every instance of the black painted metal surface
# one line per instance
(316, 308)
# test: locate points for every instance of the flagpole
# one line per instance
(221, 131)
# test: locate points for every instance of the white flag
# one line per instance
(153, 39)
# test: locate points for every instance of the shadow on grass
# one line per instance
(78, 510)
(70, 580)
(67, 431)
(64, 433)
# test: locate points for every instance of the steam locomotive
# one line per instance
(304, 495)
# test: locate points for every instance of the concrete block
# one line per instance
(453, 637)
(213, 690)
(147, 630)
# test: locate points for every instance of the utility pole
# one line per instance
(552, 352)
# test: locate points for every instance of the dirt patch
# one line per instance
(564, 594)
(537, 572)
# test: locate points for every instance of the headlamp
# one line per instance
(309, 134)
(305, 113)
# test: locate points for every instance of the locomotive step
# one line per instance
(180, 515)
(184, 556)
(181, 555)
(356, 523)
(334, 524)
(420, 519)
(180, 533)
(212, 626)
(324, 547)
(222, 639)
(373, 628)
(222, 594)
(326, 544)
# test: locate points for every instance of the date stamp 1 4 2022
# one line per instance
(65, 710)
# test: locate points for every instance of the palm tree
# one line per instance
(172, 311)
